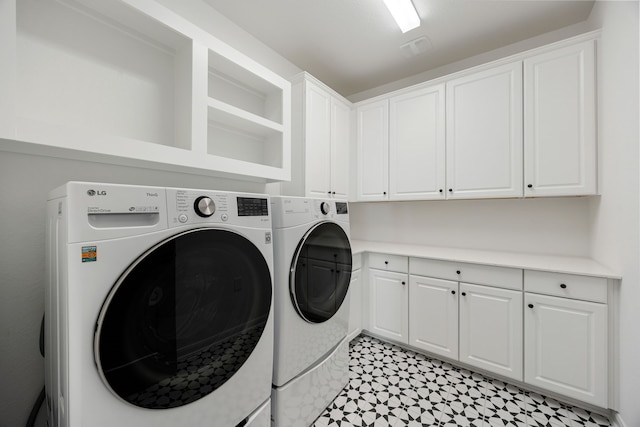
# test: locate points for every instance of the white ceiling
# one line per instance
(354, 45)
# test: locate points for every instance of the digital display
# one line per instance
(341, 208)
(252, 206)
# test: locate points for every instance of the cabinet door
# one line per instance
(340, 135)
(484, 134)
(417, 145)
(373, 151)
(355, 304)
(317, 141)
(566, 347)
(491, 329)
(433, 315)
(389, 302)
(560, 122)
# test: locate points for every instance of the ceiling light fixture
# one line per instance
(404, 13)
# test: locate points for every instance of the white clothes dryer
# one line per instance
(158, 307)
(312, 261)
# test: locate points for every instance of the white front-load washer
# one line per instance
(312, 262)
(158, 307)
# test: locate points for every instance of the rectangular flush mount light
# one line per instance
(404, 13)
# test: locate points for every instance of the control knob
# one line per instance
(325, 208)
(204, 206)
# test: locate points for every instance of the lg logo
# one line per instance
(96, 193)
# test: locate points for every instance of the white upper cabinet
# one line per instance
(373, 151)
(484, 133)
(321, 128)
(560, 122)
(135, 83)
(417, 145)
(317, 141)
(340, 137)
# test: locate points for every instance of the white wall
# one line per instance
(24, 183)
(557, 226)
(615, 217)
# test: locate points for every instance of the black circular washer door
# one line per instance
(321, 272)
(183, 318)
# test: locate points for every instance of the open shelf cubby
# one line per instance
(125, 79)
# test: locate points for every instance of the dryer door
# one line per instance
(321, 272)
(183, 318)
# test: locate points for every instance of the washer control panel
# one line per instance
(202, 206)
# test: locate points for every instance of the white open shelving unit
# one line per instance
(131, 82)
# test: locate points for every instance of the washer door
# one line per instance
(183, 318)
(321, 272)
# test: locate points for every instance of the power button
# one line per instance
(183, 218)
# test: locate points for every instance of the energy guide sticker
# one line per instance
(89, 254)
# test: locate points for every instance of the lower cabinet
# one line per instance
(491, 329)
(477, 325)
(433, 315)
(566, 338)
(389, 301)
(547, 329)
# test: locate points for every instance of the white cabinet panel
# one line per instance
(355, 304)
(317, 141)
(560, 122)
(491, 329)
(321, 123)
(433, 315)
(340, 137)
(566, 347)
(484, 133)
(417, 145)
(373, 151)
(388, 310)
(388, 262)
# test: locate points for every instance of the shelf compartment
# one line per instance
(103, 66)
(234, 134)
(238, 86)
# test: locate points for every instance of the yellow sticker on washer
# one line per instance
(89, 253)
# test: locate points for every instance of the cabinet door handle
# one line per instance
(333, 192)
(440, 190)
(329, 192)
(464, 294)
(530, 305)
(384, 193)
(451, 190)
(386, 263)
(453, 292)
(457, 271)
(404, 283)
(563, 286)
(529, 185)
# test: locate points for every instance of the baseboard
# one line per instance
(616, 420)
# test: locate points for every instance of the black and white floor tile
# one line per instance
(393, 387)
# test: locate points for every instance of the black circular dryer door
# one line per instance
(321, 272)
(183, 318)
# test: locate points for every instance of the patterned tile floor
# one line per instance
(392, 386)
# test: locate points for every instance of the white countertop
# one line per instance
(553, 263)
